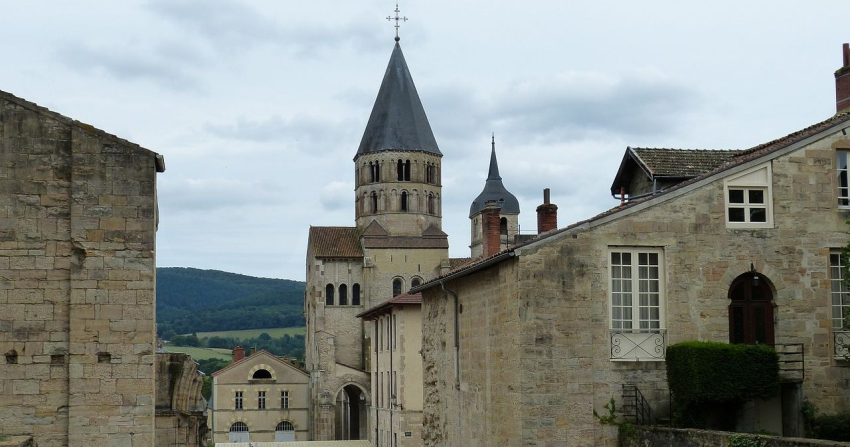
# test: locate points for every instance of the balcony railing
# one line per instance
(841, 343)
(638, 346)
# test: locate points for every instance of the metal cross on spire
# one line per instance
(397, 19)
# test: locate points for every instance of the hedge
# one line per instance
(707, 373)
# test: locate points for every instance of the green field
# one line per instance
(254, 333)
(201, 353)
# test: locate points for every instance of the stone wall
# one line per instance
(535, 354)
(181, 419)
(77, 281)
(677, 437)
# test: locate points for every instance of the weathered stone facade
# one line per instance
(181, 418)
(536, 352)
(77, 281)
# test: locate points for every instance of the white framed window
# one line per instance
(840, 294)
(238, 400)
(637, 303)
(284, 399)
(841, 157)
(261, 400)
(749, 199)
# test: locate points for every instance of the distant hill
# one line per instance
(193, 300)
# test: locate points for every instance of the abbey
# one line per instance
(397, 243)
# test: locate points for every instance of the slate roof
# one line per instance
(335, 242)
(663, 162)
(494, 190)
(405, 298)
(737, 160)
(398, 120)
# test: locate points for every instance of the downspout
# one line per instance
(377, 373)
(390, 375)
(456, 331)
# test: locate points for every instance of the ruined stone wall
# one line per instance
(77, 243)
(562, 309)
(181, 419)
(676, 437)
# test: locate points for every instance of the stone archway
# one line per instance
(352, 417)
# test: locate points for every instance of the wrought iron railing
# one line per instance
(841, 343)
(635, 408)
(792, 361)
(638, 345)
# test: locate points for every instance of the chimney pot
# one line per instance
(547, 214)
(846, 49)
(490, 216)
(842, 82)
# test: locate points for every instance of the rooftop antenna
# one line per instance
(397, 19)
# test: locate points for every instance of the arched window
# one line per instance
(397, 286)
(431, 204)
(407, 170)
(284, 432)
(355, 294)
(428, 173)
(404, 200)
(415, 282)
(343, 295)
(374, 203)
(262, 374)
(503, 226)
(400, 170)
(239, 432)
(329, 295)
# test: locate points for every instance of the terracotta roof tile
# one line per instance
(405, 298)
(457, 262)
(335, 242)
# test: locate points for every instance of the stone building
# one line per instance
(181, 419)
(396, 369)
(396, 243)
(259, 398)
(78, 218)
(522, 345)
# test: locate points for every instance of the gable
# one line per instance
(242, 371)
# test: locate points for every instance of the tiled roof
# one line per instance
(432, 230)
(253, 356)
(457, 262)
(663, 162)
(741, 158)
(335, 242)
(405, 242)
(405, 298)
(375, 229)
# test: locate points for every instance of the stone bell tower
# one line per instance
(494, 191)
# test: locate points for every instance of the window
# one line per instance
(380, 388)
(636, 293)
(431, 206)
(374, 172)
(284, 432)
(395, 333)
(415, 282)
(749, 201)
(261, 400)
(343, 295)
(238, 400)
(329, 295)
(262, 374)
(284, 399)
(404, 200)
(397, 286)
(355, 294)
(839, 292)
(843, 184)
(503, 226)
(239, 432)
(374, 203)
(400, 170)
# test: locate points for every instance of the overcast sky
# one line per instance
(259, 107)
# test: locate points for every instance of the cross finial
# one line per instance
(397, 19)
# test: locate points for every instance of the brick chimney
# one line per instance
(238, 354)
(547, 215)
(490, 225)
(842, 82)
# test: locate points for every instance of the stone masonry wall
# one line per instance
(77, 281)
(559, 307)
(674, 437)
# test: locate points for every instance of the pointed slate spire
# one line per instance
(398, 120)
(494, 190)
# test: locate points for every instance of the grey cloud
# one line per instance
(307, 134)
(131, 64)
(337, 196)
(211, 194)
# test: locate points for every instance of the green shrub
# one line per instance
(710, 381)
(833, 427)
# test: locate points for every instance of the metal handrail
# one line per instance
(635, 406)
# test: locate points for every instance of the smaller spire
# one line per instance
(397, 19)
(493, 173)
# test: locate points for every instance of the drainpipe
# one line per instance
(377, 373)
(457, 365)
(390, 375)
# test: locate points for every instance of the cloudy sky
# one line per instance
(258, 107)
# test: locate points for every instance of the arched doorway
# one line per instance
(239, 432)
(284, 432)
(351, 414)
(751, 310)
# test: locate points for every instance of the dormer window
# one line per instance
(748, 197)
